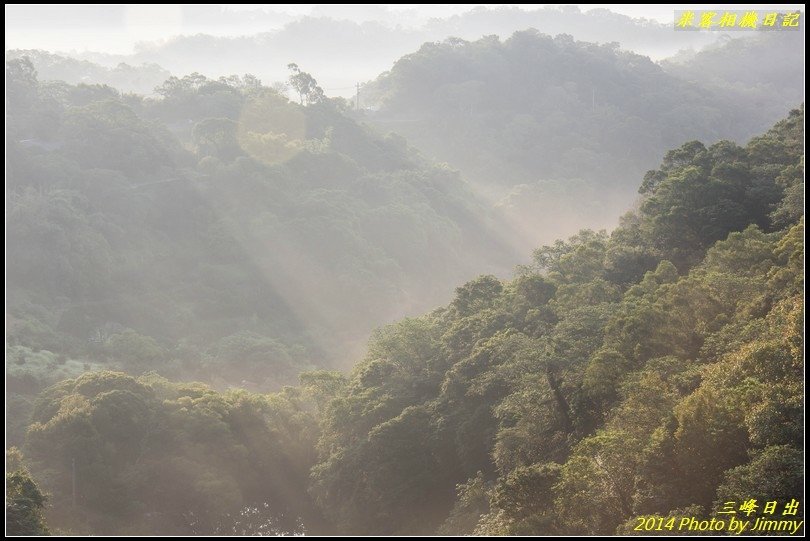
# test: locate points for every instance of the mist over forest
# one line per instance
(363, 41)
(498, 271)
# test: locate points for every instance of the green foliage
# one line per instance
(597, 481)
(51, 67)
(477, 295)
(541, 123)
(522, 502)
(136, 351)
(109, 135)
(776, 473)
(722, 67)
(305, 85)
(150, 456)
(655, 370)
(263, 362)
(700, 195)
(217, 137)
(149, 233)
(472, 503)
(596, 386)
(27, 373)
(25, 504)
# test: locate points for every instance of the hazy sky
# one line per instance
(116, 28)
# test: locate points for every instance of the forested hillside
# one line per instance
(387, 270)
(220, 233)
(657, 369)
(140, 79)
(537, 123)
(765, 71)
(349, 58)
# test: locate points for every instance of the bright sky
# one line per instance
(116, 28)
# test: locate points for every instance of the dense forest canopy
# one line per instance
(625, 357)
(191, 227)
(237, 307)
(537, 123)
(669, 373)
